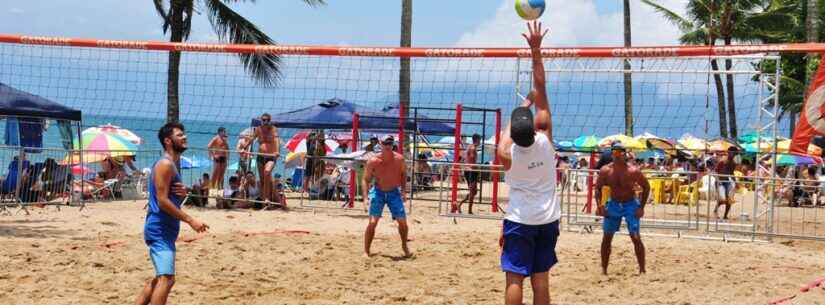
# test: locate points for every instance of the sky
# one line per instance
(358, 23)
(455, 23)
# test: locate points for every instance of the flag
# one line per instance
(812, 119)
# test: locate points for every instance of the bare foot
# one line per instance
(407, 252)
(366, 255)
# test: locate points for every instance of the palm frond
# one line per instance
(187, 19)
(695, 37)
(311, 3)
(232, 27)
(682, 23)
(163, 14)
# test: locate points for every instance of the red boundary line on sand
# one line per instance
(653, 51)
(275, 232)
(805, 288)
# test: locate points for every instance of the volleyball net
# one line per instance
(672, 91)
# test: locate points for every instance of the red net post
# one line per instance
(456, 153)
(496, 161)
(589, 205)
(353, 183)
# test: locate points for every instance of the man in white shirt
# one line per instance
(531, 227)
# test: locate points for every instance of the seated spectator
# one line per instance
(231, 195)
(278, 190)
(342, 180)
(250, 187)
(10, 184)
(423, 171)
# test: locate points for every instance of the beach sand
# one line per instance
(97, 256)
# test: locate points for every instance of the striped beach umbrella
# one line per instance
(628, 142)
(586, 143)
(98, 146)
(795, 160)
(117, 130)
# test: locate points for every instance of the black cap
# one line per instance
(618, 146)
(522, 130)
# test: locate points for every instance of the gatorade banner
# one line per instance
(812, 119)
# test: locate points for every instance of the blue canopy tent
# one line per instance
(15, 102)
(421, 123)
(337, 114)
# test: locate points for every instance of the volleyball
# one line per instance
(530, 9)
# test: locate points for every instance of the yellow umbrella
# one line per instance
(785, 145)
(692, 143)
(628, 142)
(722, 145)
(655, 142)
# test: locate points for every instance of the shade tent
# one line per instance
(419, 122)
(14, 102)
(330, 114)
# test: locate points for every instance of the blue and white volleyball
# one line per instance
(530, 9)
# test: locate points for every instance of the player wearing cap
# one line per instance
(531, 227)
(388, 169)
(622, 178)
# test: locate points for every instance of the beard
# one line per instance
(178, 148)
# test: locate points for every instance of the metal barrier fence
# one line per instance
(487, 208)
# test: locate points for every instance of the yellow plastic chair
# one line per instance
(688, 194)
(657, 189)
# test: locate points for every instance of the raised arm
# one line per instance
(538, 95)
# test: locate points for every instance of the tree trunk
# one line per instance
(176, 35)
(406, 41)
(720, 100)
(628, 77)
(730, 96)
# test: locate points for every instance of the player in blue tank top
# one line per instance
(166, 193)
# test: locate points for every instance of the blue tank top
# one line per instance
(161, 226)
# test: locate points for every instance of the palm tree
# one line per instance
(628, 77)
(229, 26)
(728, 21)
(406, 41)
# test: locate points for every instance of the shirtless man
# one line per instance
(219, 153)
(269, 149)
(622, 179)
(472, 177)
(389, 171)
(725, 188)
(243, 147)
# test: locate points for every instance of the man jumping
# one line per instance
(164, 215)
(622, 178)
(531, 227)
(388, 169)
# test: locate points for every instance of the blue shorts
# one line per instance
(378, 199)
(529, 249)
(163, 257)
(614, 213)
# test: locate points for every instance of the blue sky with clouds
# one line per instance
(341, 22)
(464, 23)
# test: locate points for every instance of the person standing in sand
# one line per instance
(163, 216)
(726, 188)
(244, 147)
(389, 171)
(269, 150)
(622, 178)
(471, 175)
(219, 153)
(531, 226)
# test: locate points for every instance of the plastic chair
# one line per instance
(688, 194)
(657, 189)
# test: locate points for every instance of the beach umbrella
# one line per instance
(784, 146)
(433, 150)
(628, 142)
(748, 138)
(752, 147)
(722, 145)
(565, 145)
(298, 143)
(795, 160)
(98, 146)
(293, 159)
(692, 143)
(586, 143)
(112, 129)
(654, 142)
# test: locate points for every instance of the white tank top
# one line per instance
(532, 182)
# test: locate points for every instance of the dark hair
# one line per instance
(233, 179)
(205, 175)
(266, 114)
(221, 129)
(166, 131)
(476, 137)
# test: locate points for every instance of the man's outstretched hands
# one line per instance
(534, 34)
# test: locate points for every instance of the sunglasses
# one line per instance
(387, 143)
